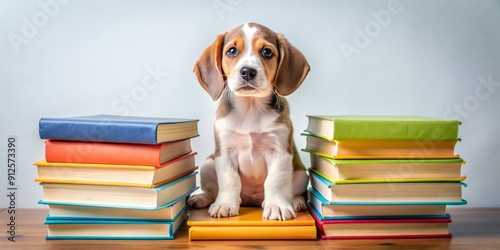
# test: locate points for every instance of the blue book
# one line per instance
(376, 210)
(118, 129)
(388, 192)
(114, 229)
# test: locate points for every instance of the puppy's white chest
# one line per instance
(247, 143)
(254, 144)
(250, 138)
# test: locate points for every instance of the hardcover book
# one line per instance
(114, 229)
(115, 153)
(249, 225)
(66, 211)
(118, 129)
(387, 179)
(116, 175)
(407, 128)
(422, 191)
(395, 149)
(118, 195)
(382, 228)
(345, 171)
(369, 210)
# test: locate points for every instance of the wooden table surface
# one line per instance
(472, 228)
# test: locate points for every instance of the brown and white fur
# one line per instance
(250, 68)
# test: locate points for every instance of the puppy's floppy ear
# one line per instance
(292, 67)
(208, 69)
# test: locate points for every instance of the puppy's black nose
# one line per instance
(248, 73)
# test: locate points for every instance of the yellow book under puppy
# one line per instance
(249, 225)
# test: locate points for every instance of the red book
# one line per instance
(115, 153)
(383, 228)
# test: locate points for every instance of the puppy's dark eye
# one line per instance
(232, 52)
(267, 53)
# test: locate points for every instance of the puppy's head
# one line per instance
(251, 60)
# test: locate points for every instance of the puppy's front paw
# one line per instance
(200, 200)
(220, 209)
(299, 204)
(278, 210)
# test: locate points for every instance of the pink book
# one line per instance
(382, 228)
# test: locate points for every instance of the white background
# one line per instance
(431, 58)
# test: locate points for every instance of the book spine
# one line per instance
(60, 129)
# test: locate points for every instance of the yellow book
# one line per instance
(115, 175)
(382, 149)
(387, 180)
(249, 225)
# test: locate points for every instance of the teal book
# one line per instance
(75, 211)
(114, 229)
(118, 129)
(370, 210)
(388, 192)
(402, 128)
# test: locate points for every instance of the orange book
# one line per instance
(115, 153)
(249, 225)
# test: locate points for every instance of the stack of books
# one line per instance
(383, 176)
(116, 177)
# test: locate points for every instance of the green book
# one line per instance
(409, 128)
(387, 170)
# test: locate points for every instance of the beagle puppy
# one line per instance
(255, 163)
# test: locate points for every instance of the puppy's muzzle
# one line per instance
(248, 73)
